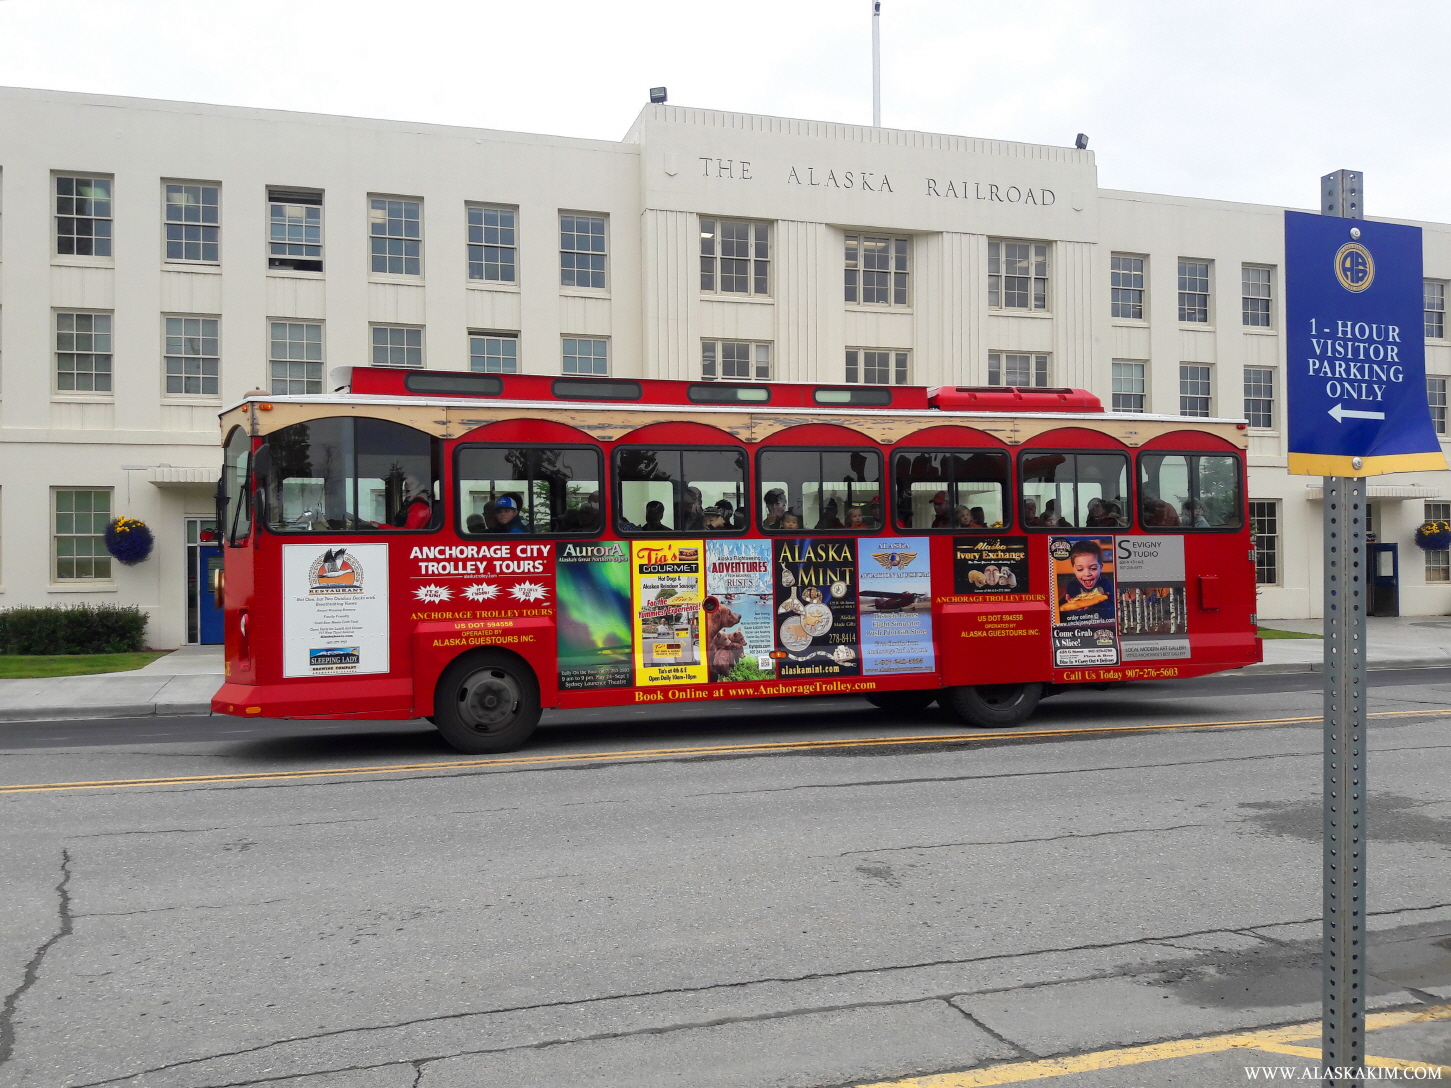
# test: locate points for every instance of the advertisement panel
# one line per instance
(334, 609)
(1084, 631)
(816, 607)
(895, 594)
(740, 633)
(1153, 614)
(989, 565)
(667, 585)
(596, 622)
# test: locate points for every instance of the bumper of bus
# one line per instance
(386, 699)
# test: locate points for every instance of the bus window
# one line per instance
(806, 491)
(681, 491)
(528, 489)
(331, 475)
(1074, 490)
(950, 489)
(1190, 491)
(234, 505)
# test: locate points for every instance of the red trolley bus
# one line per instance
(472, 548)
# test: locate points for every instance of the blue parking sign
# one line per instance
(1356, 379)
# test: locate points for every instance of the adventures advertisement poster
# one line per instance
(816, 607)
(740, 632)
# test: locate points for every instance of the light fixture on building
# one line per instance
(1082, 142)
(657, 96)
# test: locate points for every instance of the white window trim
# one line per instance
(609, 351)
(886, 307)
(393, 277)
(201, 399)
(213, 268)
(1210, 302)
(502, 285)
(422, 345)
(595, 292)
(80, 260)
(769, 345)
(1129, 322)
(75, 585)
(80, 396)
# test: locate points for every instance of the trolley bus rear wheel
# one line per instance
(993, 706)
(486, 702)
(903, 702)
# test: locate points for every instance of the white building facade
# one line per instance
(160, 259)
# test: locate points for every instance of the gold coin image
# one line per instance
(794, 636)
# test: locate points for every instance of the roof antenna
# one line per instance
(876, 63)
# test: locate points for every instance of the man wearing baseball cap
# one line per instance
(943, 511)
(506, 516)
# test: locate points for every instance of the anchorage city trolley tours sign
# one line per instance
(1356, 381)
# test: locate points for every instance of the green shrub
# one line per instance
(73, 629)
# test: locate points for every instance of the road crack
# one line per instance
(1019, 842)
(32, 969)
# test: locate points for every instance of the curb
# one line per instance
(114, 710)
(1287, 667)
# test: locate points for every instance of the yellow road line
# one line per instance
(665, 753)
(1271, 1039)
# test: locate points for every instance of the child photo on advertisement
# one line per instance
(1086, 594)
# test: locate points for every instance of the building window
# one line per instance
(493, 353)
(295, 357)
(1259, 396)
(735, 257)
(83, 353)
(1436, 398)
(397, 345)
(83, 216)
(1126, 276)
(1129, 386)
(1438, 563)
(1017, 276)
(582, 253)
(876, 367)
(586, 356)
(493, 245)
(193, 361)
(80, 542)
(737, 360)
(1264, 527)
(1194, 394)
(294, 230)
(395, 236)
(1021, 369)
(1194, 291)
(193, 223)
(876, 270)
(1257, 294)
(1435, 304)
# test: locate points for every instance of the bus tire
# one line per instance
(486, 702)
(903, 702)
(993, 706)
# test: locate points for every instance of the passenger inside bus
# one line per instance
(817, 489)
(1066, 486)
(552, 489)
(506, 516)
(654, 511)
(1190, 490)
(950, 489)
(679, 490)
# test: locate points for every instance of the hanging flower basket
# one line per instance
(1434, 536)
(129, 540)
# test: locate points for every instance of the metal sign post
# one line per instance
(1356, 407)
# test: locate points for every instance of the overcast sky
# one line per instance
(1235, 100)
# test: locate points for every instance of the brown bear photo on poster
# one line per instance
(723, 648)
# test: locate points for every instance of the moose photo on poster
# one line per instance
(1084, 631)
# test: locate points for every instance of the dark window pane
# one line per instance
(514, 489)
(1074, 490)
(681, 491)
(950, 489)
(802, 491)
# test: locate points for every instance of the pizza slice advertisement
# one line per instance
(1085, 627)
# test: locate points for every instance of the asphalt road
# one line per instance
(805, 893)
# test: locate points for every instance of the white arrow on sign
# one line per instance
(1340, 413)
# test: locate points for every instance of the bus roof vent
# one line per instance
(725, 393)
(455, 384)
(597, 389)
(860, 396)
(1009, 398)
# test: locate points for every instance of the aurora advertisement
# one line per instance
(592, 584)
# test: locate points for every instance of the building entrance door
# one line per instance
(203, 555)
(1385, 580)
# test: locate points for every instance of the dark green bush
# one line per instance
(73, 629)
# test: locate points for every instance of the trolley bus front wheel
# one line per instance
(486, 702)
(993, 706)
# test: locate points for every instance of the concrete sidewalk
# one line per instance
(1403, 642)
(184, 681)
